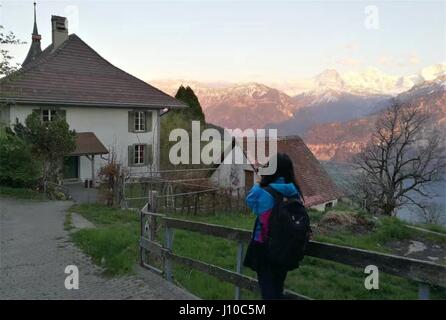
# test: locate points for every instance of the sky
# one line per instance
(240, 41)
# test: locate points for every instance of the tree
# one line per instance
(194, 112)
(50, 142)
(405, 154)
(180, 118)
(6, 66)
(17, 168)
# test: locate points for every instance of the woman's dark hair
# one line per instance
(285, 170)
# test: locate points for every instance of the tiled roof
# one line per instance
(87, 143)
(74, 74)
(317, 186)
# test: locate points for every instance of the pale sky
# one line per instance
(239, 41)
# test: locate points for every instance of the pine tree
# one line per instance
(180, 118)
(194, 112)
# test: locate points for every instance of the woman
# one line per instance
(271, 277)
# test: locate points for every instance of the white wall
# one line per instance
(321, 207)
(110, 125)
(231, 175)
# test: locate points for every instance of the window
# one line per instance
(48, 115)
(140, 121)
(328, 205)
(139, 153)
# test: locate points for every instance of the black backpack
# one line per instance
(289, 232)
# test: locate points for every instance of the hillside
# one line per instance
(339, 141)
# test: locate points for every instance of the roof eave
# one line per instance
(21, 101)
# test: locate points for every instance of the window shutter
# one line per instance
(148, 154)
(62, 114)
(148, 120)
(131, 155)
(39, 112)
(131, 121)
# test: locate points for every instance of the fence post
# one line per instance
(142, 251)
(239, 267)
(423, 291)
(167, 261)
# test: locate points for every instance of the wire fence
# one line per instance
(186, 192)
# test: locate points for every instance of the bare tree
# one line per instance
(404, 155)
(432, 212)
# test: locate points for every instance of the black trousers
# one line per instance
(271, 282)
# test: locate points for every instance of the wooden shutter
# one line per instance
(148, 120)
(131, 121)
(131, 155)
(62, 113)
(39, 112)
(148, 154)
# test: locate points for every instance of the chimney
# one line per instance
(60, 30)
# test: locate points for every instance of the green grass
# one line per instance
(68, 223)
(102, 215)
(114, 245)
(21, 193)
(432, 227)
(316, 278)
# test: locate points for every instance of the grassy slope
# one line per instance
(114, 246)
(21, 193)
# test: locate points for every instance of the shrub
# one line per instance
(17, 166)
(391, 228)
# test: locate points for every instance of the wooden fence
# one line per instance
(425, 273)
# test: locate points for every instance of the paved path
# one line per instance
(80, 194)
(35, 249)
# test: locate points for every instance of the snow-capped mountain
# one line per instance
(339, 141)
(329, 96)
(248, 105)
(329, 106)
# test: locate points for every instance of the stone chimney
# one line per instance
(60, 30)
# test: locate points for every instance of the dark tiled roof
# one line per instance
(87, 143)
(317, 186)
(74, 74)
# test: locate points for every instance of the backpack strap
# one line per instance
(278, 197)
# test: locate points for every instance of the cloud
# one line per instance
(349, 62)
(402, 61)
(351, 46)
(414, 59)
(386, 61)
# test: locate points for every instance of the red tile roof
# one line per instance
(317, 186)
(74, 74)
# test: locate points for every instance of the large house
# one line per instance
(319, 191)
(110, 110)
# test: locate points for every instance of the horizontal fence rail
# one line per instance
(424, 272)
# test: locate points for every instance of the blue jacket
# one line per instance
(261, 202)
